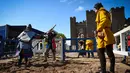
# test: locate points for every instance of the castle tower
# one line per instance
(118, 18)
(73, 28)
(91, 25)
(76, 28)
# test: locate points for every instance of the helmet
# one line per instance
(54, 33)
(98, 6)
(29, 27)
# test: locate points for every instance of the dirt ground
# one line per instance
(71, 65)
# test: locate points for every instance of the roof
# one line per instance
(15, 30)
(22, 27)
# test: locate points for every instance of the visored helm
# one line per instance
(98, 6)
(29, 27)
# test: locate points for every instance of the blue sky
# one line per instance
(43, 14)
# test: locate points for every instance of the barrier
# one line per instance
(40, 46)
(123, 39)
(74, 50)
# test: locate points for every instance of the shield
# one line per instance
(26, 36)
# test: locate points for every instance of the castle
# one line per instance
(88, 26)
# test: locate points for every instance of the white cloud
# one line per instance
(63, 0)
(72, 1)
(80, 8)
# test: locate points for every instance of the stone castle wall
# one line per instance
(89, 25)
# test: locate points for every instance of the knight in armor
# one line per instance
(51, 44)
(25, 45)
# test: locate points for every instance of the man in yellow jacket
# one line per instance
(104, 37)
(89, 47)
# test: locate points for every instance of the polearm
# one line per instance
(48, 31)
(52, 28)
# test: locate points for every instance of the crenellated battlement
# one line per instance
(73, 20)
(128, 19)
(116, 9)
(90, 11)
(82, 22)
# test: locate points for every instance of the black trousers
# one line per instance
(101, 54)
(21, 58)
(47, 53)
(92, 54)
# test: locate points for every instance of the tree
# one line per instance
(60, 34)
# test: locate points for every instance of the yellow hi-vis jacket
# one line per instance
(104, 26)
(89, 45)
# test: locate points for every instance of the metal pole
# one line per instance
(63, 50)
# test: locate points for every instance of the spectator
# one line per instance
(105, 38)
